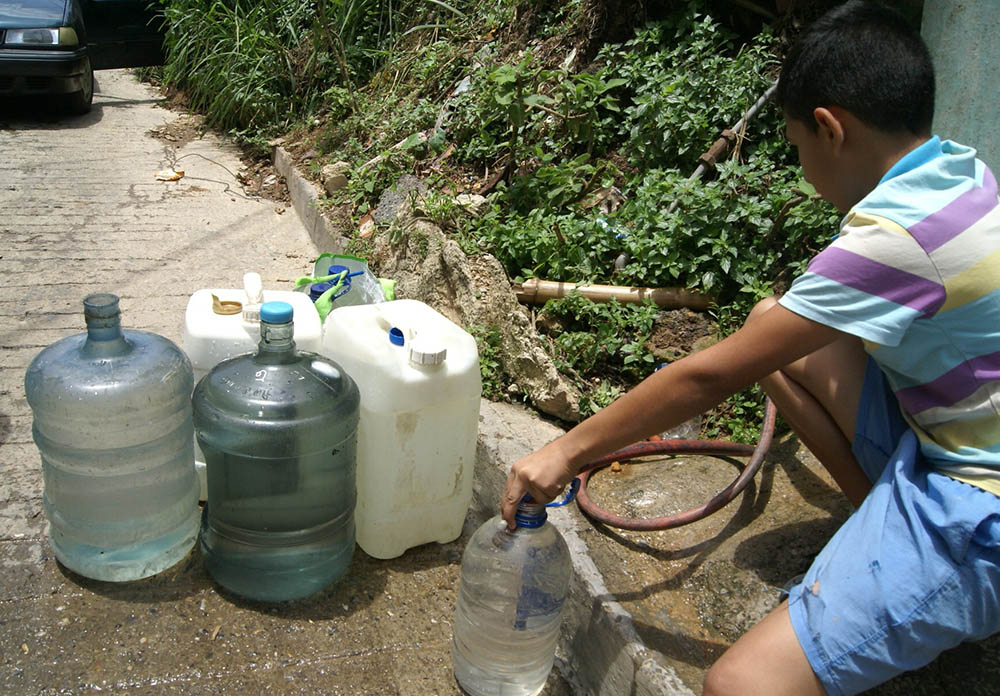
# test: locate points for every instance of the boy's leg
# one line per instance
(913, 572)
(818, 397)
(766, 661)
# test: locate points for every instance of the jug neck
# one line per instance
(104, 329)
(530, 514)
(276, 342)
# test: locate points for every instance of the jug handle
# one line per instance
(574, 486)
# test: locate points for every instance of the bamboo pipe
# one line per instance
(537, 291)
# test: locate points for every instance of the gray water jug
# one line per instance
(512, 590)
(112, 421)
(279, 432)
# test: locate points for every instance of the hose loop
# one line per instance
(702, 447)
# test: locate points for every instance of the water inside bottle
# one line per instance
(511, 594)
(280, 528)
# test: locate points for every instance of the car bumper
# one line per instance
(43, 72)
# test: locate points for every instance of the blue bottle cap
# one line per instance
(530, 514)
(395, 336)
(276, 312)
(316, 290)
(345, 279)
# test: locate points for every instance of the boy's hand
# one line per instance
(542, 475)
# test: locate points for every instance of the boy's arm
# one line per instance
(667, 398)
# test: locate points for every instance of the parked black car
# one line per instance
(52, 47)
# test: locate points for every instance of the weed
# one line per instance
(602, 338)
(738, 418)
(603, 393)
(422, 242)
(488, 340)
(361, 247)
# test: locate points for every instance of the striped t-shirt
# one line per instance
(915, 273)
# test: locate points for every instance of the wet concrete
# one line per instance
(384, 629)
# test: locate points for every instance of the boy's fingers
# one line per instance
(511, 496)
(508, 508)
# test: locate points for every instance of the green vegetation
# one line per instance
(604, 339)
(488, 342)
(460, 92)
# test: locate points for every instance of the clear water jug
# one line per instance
(420, 385)
(221, 323)
(511, 594)
(112, 420)
(279, 432)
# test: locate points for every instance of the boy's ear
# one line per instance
(831, 126)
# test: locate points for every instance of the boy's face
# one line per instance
(819, 166)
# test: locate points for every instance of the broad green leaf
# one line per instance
(536, 99)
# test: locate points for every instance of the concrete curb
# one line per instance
(600, 651)
(304, 195)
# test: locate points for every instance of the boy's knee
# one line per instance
(761, 307)
(721, 680)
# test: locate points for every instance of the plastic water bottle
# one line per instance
(112, 420)
(511, 594)
(279, 432)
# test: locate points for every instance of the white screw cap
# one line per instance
(427, 350)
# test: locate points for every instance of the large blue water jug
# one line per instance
(279, 432)
(112, 420)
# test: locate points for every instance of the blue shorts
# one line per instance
(914, 571)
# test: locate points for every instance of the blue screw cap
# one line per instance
(396, 336)
(276, 312)
(316, 290)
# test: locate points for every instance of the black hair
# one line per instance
(867, 59)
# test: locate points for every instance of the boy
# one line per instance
(884, 357)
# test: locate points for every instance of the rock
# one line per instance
(391, 202)
(474, 291)
(334, 176)
(704, 342)
(473, 203)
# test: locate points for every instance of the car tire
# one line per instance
(79, 102)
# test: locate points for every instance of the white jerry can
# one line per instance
(418, 374)
(222, 323)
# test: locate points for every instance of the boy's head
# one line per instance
(865, 59)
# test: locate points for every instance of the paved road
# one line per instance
(80, 212)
